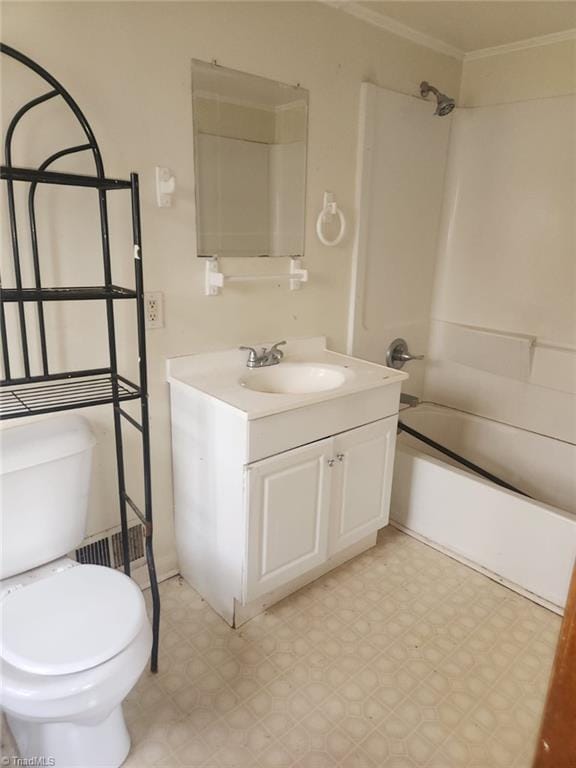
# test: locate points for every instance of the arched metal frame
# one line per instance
(49, 392)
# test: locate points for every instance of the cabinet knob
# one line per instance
(340, 456)
(331, 462)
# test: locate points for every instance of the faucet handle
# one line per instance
(253, 356)
(398, 355)
(274, 349)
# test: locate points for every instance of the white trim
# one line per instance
(363, 176)
(389, 24)
(382, 21)
(166, 568)
(521, 45)
(479, 568)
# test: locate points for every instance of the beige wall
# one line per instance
(533, 73)
(129, 66)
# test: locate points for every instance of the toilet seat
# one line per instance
(71, 621)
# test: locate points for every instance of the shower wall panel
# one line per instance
(402, 159)
(507, 261)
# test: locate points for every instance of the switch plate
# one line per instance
(154, 309)
(165, 187)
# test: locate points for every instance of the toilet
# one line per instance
(74, 638)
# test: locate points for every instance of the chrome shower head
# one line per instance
(444, 104)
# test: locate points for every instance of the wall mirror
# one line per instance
(250, 141)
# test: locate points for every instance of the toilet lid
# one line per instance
(70, 621)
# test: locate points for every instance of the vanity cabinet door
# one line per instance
(288, 504)
(365, 460)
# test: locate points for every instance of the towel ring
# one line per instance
(330, 208)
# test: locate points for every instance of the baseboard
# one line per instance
(166, 568)
(480, 569)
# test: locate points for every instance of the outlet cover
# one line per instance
(154, 309)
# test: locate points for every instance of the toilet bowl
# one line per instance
(74, 638)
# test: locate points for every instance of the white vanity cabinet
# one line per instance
(363, 481)
(288, 501)
(272, 491)
(306, 504)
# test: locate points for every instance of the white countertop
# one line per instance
(218, 374)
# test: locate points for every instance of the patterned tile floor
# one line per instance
(401, 658)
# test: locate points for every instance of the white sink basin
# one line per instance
(296, 378)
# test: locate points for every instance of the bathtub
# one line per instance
(530, 546)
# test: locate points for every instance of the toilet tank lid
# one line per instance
(40, 441)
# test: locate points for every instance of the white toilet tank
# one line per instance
(44, 484)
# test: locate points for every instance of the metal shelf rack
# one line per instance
(68, 294)
(51, 392)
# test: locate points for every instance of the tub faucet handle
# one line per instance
(398, 355)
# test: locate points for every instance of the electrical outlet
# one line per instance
(154, 309)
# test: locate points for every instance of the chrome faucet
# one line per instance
(266, 357)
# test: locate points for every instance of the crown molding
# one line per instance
(521, 45)
(395, 27)
(389, 24)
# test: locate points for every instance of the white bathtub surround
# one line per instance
(529, 545)
(401, 163)
(506, 241)
(275, 486)
(469, 235)
(485, 349)
(506, 259)
(539, 465)
(544, 402)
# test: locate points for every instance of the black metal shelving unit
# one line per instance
(48, 391)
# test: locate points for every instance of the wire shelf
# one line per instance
(37, 176)
(79, 293)
(63, 395)
(28, 393)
